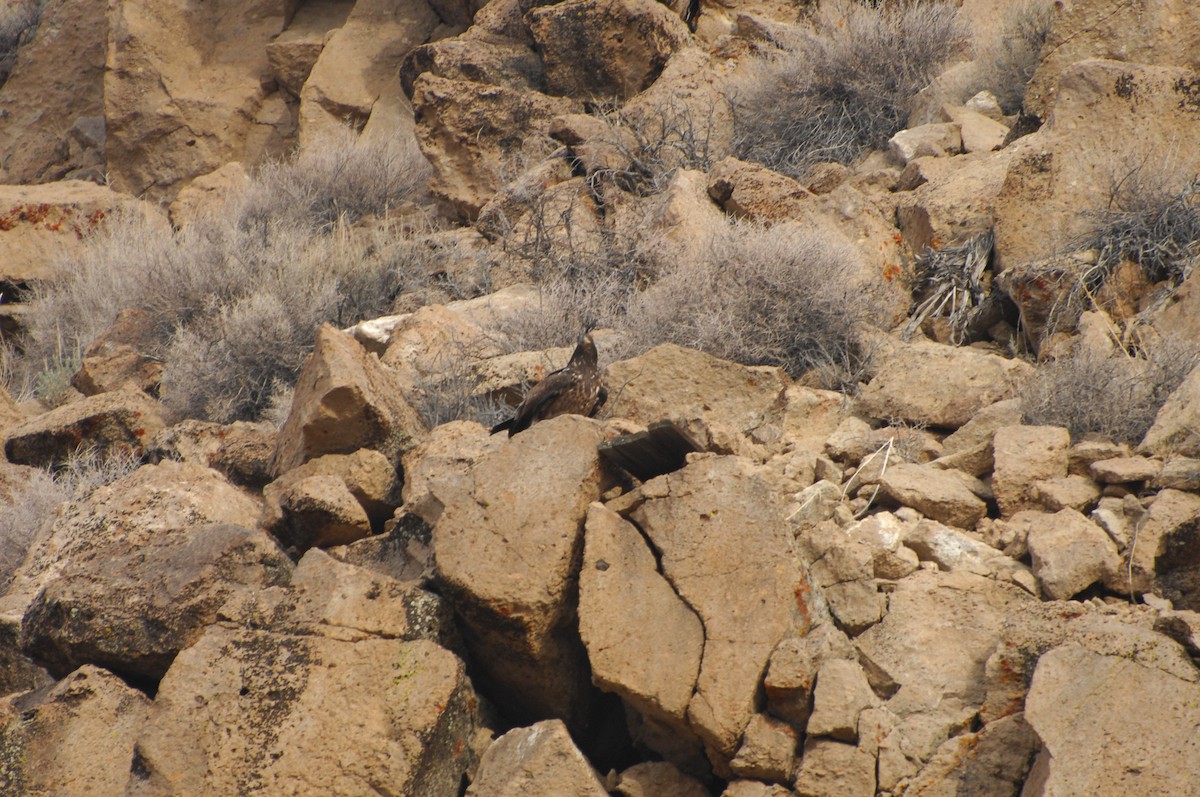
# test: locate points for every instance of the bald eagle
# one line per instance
(575, 389)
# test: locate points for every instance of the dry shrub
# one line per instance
(31, 503)
(844, 86)
(1007, 63)
(763, 296)
(341, 177)
(1116, 394)
(655, 143)
(236, 298)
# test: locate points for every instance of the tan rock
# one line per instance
(1123, 470)
(344, 401)
(479, 55)
(754, 788)
(433, 345)
(643, 642)
(1068, 492)
(834, 769)
(116, 358)
(991, 761)
(437, 470)
(953, 549)
(360, 62)
(842, 571)
(939, 385)
(1171, 512)
(18, 672)
(41, 225)
(1112, 726)
(110, 423)
(367, 474)
(884, 533)
(1174, 429)
(464, 129)
(936, 140)
(1024, 456)
(538, 760)
(1178, 473)
(953, 203)
(207, 195)
(935, 493)
(74, 738)
(507, 547)
(792, 672)
(922, 641)
(841, 695)
(713, 511)
(293, 53)
(403, 710)
(318, 511)
(1070, 553)
(165, 125)
(153, 502)
(980, 133)
(768, 751)
(658, 779)
(605, 48)
(1108, 117)
(241, 450)
(53, 102)
(1162, 33)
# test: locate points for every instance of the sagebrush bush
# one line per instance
(341, 177)
(655, 143)
(1007, 63)
(1116, 395)
(778, 295)
(235, 298)
(31, 503)
(844, 86)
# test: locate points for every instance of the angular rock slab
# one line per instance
(131, 607)
(507, 550)
(74, 738)
(244, 712)
(1070, 553)
(538, 761)
(111, 423)
(939, 385)
(1111, 726)
(344, 401)
(725, 548)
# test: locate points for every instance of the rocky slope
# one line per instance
(733, 581)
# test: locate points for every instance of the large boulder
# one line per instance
(1070, 553)
(1174, 429)
(938, 385)
(605, 48)
(185, 91)
(507, 547)
(345, 400)
(72, 739)
(1110, 725)
(538, 761)
(108, 423)
(938, 494)
(725, 548)
(955, 201)
(402, 713)
(53, 102)
(360, 62)
(1024, 456)
(130, 605)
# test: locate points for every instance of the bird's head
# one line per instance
(585, 350)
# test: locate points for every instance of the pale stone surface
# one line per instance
(318, 511)
(792, 672)
(1170, 512)
(1070, 553)
(437, 470)
(841, 695)
(1067, 492)
(507, 548)
(366, 474)
(725, 548)
(1112, 726)
(938, 494)
(992, 762)
(73, 739)
(768, 751)
(954, 201)
(842, 571)
(939, 385)
(834, 769)
(1174, 430)
(979, 132)
(538, 760)
(937, 140)
(658, 779)
(345, 400)
(1026, 455)
(953, 549)
(1122, 470)
(403, 711)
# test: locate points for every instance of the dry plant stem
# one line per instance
(886, 450)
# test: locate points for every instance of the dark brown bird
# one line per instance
(575, 389)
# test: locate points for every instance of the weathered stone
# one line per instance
(318, 511)
(842, 570)
(842, 693)
(991, 762)
(507, 548)
(658, 779)
(793, 669)
(241, 451)
(938, 494)
(936, 140)
(1174, 429)
(478, 55)
(605, 48)
(980, 133)
(1024, 456)
(437, 470)
(939, 385)
(834, 769)
(404, 712)
(538, 760)
(643, 642)
(768, 751)
(366, 475)
(1068, 492)
(110, 423)
(725, 548)
(953, 549)
(1125, 469)
(1178, 473)
(1112, 726)
(1170, 513)
(72, 739)
(116, 357)
(293, 53)
(1070, 553)
(755, 788)
(344, 401)
(883, 533)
